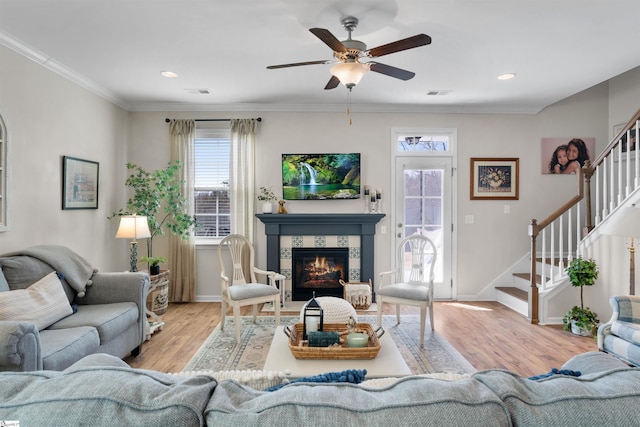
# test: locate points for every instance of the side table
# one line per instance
(157, 300)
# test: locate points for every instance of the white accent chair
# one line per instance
(236, 252)
(408, 283)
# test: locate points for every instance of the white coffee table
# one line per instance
(388, 362)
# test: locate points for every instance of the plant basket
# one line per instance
(358, 294)
(301, 350)
(158, 296)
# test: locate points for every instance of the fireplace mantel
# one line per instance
(307, 224)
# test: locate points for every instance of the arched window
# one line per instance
(4, 175)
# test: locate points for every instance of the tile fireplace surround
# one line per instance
(352, 230)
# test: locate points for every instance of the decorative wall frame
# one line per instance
(494, 178)
(79, 183)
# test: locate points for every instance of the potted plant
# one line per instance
(581, 320)
(265, 195)
(154, 264)
(158, 196)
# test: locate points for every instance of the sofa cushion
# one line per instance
(42, 303)
(627, 331)
(61, 348)
(410, 401)
(116, 396)
(22, 271)
(592, 362)
(610, 397)
(109, 319)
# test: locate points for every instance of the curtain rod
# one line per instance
(167, 120)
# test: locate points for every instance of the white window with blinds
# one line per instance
(211, 186)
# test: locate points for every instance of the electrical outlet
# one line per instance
(507, 209)
(469, 219)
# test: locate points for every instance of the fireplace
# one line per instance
(318, 270)
(354, 232)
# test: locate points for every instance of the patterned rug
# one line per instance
(221, 352)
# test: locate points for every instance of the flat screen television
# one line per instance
(321, 176)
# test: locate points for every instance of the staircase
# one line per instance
(608, 192)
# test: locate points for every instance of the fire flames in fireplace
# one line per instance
(319, 270)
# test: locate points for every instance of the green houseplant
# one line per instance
(154, 264)
(581, 320)
(157, 195)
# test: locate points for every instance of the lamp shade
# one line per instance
(133, 227)
(349, 73)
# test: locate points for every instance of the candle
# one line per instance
(312, 324)
(373, 196)
(366, 190)
(379, 194)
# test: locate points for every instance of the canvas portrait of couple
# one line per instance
(562, 156)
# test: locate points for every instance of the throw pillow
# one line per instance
(42, 303)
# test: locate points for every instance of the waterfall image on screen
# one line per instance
(320, 176)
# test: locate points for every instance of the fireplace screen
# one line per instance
(319, 270)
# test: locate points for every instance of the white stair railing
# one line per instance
(613, 176)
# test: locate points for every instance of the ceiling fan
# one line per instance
(349, 54)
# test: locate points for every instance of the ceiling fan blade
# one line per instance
(388, 70)
(328, 39)
(333, 83)
(297, 64)
(397, 46)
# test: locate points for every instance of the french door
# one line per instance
(423, 203)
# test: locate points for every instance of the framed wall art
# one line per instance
(79, 183)
(494, 178)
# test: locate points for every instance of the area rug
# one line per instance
(221, 352)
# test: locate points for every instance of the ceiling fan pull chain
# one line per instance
(349, 106)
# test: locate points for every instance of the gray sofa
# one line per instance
(102, 390)
(109, 315)
(620, 336)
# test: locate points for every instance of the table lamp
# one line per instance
(133, 227)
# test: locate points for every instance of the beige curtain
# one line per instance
(242, 188)
(182, 253)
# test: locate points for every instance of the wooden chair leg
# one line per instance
(277, 308)
(236, 316)
(223, 314)
(431, 316)
(379, 309)
(423, 318)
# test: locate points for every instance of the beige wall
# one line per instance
(49, 116)
(486, 248)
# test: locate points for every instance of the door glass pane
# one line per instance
(423, 208)
(429, 143)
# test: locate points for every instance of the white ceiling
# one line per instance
(117, 48)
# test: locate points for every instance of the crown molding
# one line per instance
(51, 64)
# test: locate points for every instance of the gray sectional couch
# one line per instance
(101, 390)
(109, 316)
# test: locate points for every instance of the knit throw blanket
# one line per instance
(76, 270)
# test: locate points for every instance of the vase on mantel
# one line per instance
(267, 207)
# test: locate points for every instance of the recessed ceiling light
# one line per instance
(169, 74)
(506, 76)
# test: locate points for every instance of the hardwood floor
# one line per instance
(487, 334)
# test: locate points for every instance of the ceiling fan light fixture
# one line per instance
(349, 73)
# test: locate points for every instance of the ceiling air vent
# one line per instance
(438, 92)
(198, 91)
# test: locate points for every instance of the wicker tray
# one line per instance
(301, 350)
